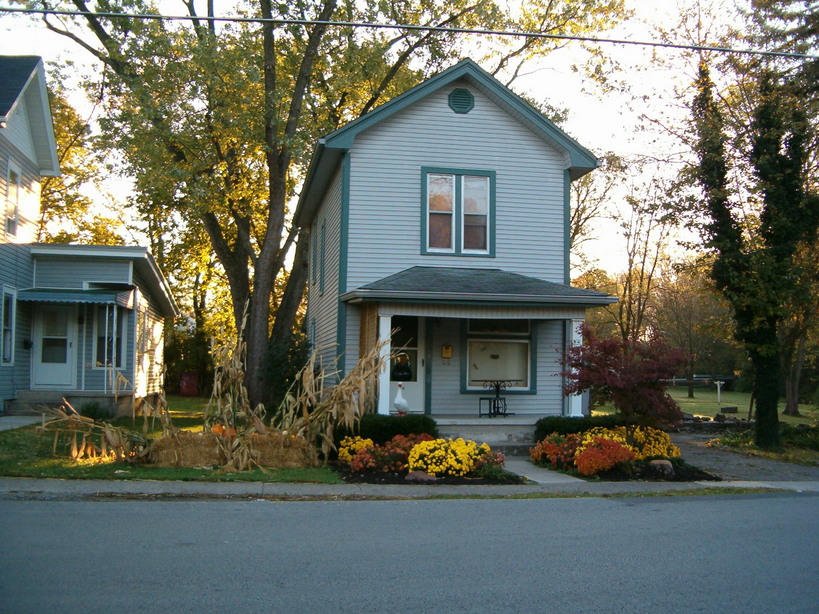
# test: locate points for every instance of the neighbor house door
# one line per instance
(54, 361)
(409, 368)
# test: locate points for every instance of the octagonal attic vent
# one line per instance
(461, 100)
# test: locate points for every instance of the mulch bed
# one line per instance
(401, 478)
(682, 473)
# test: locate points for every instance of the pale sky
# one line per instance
(599, 121)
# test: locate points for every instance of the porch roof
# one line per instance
(473, 286)
(51, 295)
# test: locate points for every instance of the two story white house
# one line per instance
(81, 322)
(443, 215)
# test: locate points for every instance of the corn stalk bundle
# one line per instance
(312, 411)
(87, 438)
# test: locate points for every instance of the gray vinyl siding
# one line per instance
(323, 303)
(18, 130)
(72, 273)
(153, 344)
(16, 274)
(385, 193)
(29, 198)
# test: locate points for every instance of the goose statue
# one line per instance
(400, 403)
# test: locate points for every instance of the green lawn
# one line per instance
(705, 403)
(27, 452)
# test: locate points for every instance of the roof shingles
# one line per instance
(479, 285)
(15, 71)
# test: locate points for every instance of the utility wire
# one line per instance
(389, 26)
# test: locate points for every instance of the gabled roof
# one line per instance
(331, 148)
(22, 78)
(464, 285)
(144, 264)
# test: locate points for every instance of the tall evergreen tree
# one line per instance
(755, 272)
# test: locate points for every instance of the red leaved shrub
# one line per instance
(631, 374)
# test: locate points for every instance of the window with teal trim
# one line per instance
(314, 255)
(458, 211)
(322, 256)
(499, 350)
(7, 316)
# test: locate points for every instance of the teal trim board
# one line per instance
(343, 262)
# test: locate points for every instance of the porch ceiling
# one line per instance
(473, 286)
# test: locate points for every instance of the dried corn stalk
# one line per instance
(311, 411)
(229, 405)
(87, 438)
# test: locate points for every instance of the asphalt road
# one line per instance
(738, 553)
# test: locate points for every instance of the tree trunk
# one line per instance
(767, 379)
(793, 375)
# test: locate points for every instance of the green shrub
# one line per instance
(567, 426)
(382, 428)
(93, 410)
(800, 436)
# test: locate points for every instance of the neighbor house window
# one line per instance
(458, 208)
(499, 350)
(12, 200)
(111, 339)
(7, 357)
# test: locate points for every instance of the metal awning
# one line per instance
(97, 297)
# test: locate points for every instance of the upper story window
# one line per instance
(12, 200)
(458, 211)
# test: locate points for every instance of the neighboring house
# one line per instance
(444, 215)
(83, 323)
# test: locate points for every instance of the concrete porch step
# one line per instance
(512, 435)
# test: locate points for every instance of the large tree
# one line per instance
(754, 267)
(216, 121)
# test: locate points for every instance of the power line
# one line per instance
(389, 26)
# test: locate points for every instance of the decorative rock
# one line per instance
(421, 477)
(662, 468)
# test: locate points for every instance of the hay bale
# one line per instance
(185, 449)
(272, 450)
(275, 450)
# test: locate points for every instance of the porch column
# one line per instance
(384, 336)
(574, 402)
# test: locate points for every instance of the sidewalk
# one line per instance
(544, 482)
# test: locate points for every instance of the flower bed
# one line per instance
(422, 458)
(618, 453)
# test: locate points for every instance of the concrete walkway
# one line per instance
(15, 422)
(544, 482)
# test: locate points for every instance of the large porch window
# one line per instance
(499, 350)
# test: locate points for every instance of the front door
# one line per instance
(409, 367)
(54, 352)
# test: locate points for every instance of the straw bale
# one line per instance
(185, 449)
(272, 449)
